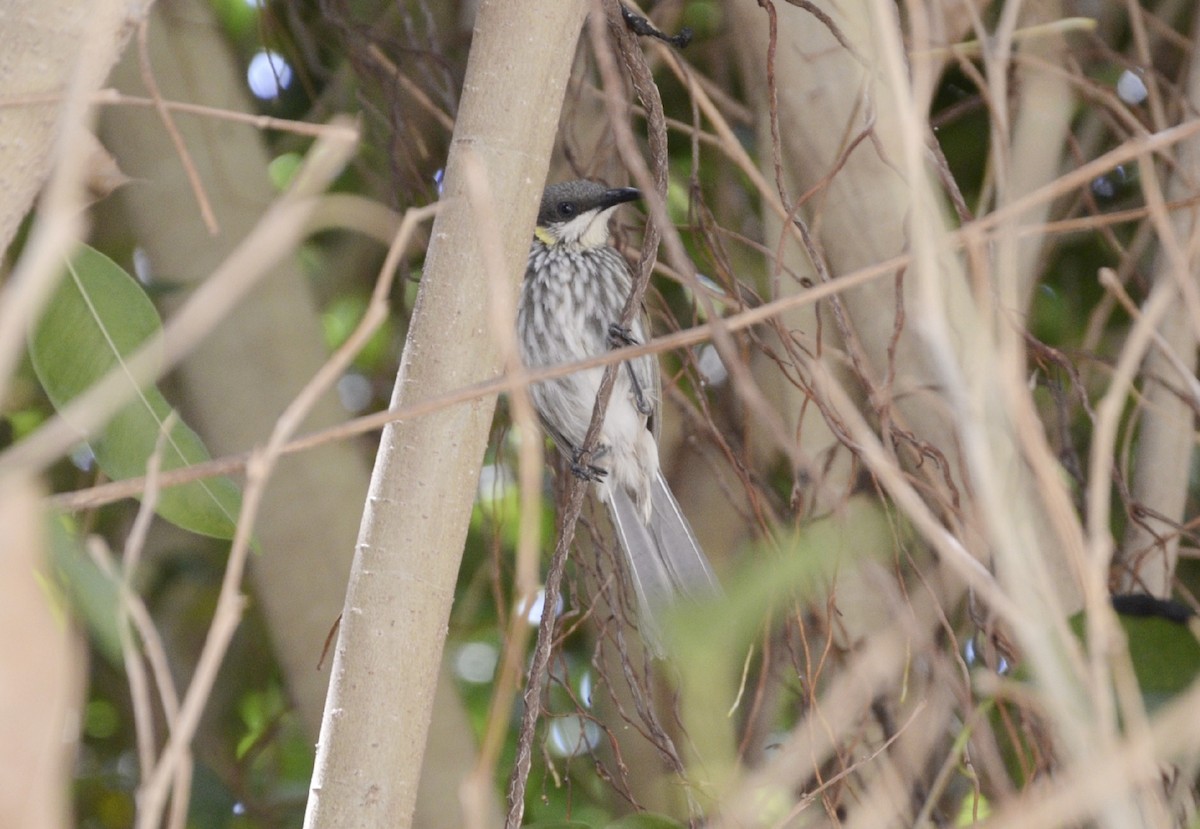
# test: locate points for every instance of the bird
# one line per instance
(575, 287)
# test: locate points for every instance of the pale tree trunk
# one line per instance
(246, 373)
(49, 48)
(410, 544)
(56, 54)
(42, 670)
(1166, 436)
(827, 96)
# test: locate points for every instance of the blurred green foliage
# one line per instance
(97, 319)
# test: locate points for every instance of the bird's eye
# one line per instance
(566, 209)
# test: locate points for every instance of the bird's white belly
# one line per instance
(626, 445)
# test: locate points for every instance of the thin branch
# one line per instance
(185, 157)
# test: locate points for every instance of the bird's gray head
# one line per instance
(576, 212)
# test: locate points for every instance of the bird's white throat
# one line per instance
(588, 230)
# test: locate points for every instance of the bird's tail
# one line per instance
(665, 563)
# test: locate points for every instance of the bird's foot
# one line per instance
(620, 336)
(583, 469)
(641, 26)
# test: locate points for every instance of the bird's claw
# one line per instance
(641, 26)
(586, 471)
(620, 335)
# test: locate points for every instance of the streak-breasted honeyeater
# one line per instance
(575, 287)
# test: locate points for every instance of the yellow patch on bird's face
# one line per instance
(544, 236)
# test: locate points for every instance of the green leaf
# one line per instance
(260, 711)
(283, 168)
(340, 320)
(93, 595)
(1165, 652)
(94, 321)
(973, 808)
